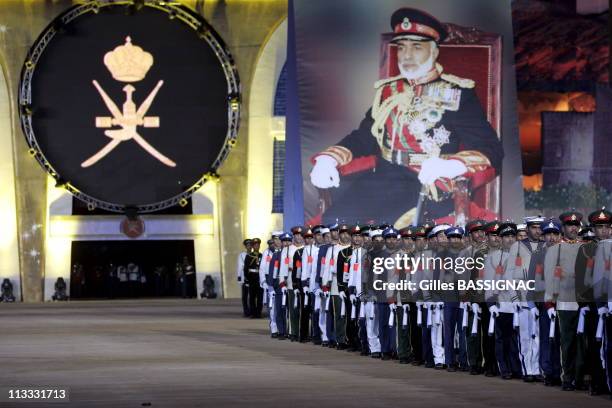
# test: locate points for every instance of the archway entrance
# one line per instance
(132, 269)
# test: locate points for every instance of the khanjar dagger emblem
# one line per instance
(127, 63)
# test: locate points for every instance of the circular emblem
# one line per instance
(406, 24)
(130, 107)
(132, 228)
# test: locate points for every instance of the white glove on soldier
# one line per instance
(284, 290)
(264, 286)
(551, 313)
(342, 295)
(602, 311)
(476, 308)
(296, 292)
(324, 174)
(392, 306)
(353, 298)
(435, 167)
(535, 312)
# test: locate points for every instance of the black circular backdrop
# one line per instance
(197, 122)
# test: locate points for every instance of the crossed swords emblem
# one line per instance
(128, 119)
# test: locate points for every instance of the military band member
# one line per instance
(264, 279)
(521, 232)
(370, 296)
(316, 287)
(587, 343)
(337, 261)
(602, 292)
(244, 286)
(550, 358)
(251, 272)
(307, 300)
(405, 352)
(313, 284)
(386, 299)
(421, 301)
(519, 260)
(476, 249)
(355, 290)
(425, 128)
(455, 304)
(560, 296)
(296, 303)
(280, 263)
(435, 319)
(500, 305)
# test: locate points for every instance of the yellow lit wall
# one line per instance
(264, 127)
(9, 251)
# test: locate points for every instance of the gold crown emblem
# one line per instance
(127, 62)
(602, 216)
(573, 217)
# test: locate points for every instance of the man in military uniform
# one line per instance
(409, 299)
(281, 259)
(455, 306)
(306, 264)
(244, 286)
(251, 272)
(519, 260)
(320, 314)
(358, 262)
(386, 298)
(425, 128)
(370, 297)
(477, 249)
(560, 296)
(286, 280)
(501, 307)
(550, 358)
(422, 302)
(405, 352)
(602, 292)
(435, 296)
(265, 280)
(335, 285)
(587, 344)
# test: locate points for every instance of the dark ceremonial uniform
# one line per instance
(346, 333)
(560, 278)
(296, 312)
(251, 273)
(550, 348)
(587, 343)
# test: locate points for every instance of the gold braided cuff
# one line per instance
(473, 160)
(341, 154)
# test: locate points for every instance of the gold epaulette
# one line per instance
(454, 79)
(382, 82)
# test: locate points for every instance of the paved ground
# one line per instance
(179, 353)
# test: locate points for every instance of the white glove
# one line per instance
(264, 286)
(435, 167)
(342, 295)
(306, 290)
(476, 308)
(584, 310)
(494, 310)
(318, 292)
(551, 313)
(284, 290)
(392, 307)
(296, 292)
(602, 311)
(440, 305)
(324, 174)
(535, 312)
(353, 298)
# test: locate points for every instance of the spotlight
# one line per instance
(183, 202)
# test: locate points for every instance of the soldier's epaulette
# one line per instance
(462, 82)
(384, 81)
